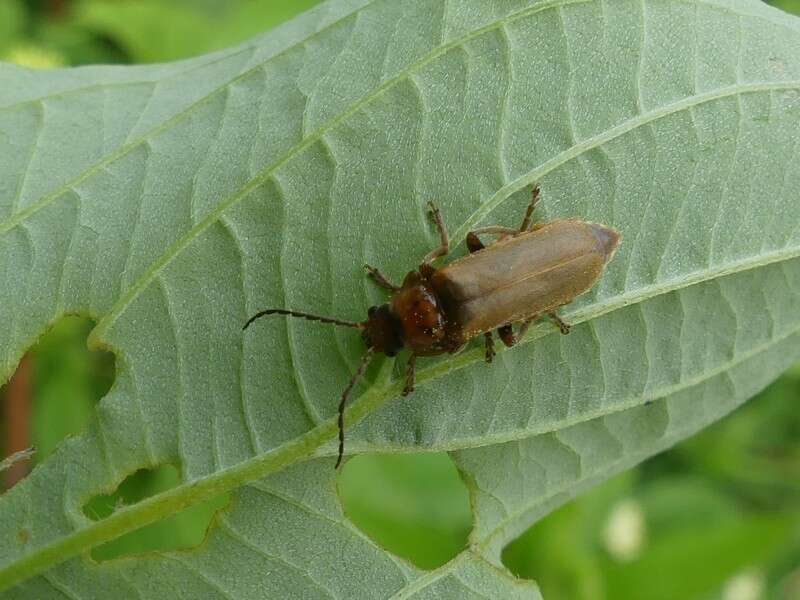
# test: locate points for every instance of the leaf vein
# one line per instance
(247, 419)
(309, 409)
(40, 114)
(199, 574)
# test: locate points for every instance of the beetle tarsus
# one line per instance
(410, 372)
(444, 247)
(562, 326)
(489, 343)
(381, 279)
(526, 222)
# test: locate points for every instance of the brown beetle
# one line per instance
(528, 272)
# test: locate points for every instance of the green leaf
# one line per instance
(169, 202)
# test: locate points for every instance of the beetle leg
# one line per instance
(381, 279)
(526, 222)
(489, 342)
(474, 243)
(444, 247)
(410, 369)
(564, 327)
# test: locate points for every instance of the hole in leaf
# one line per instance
(68, 381)
(53, 393)
(186, 529)
(413, 505)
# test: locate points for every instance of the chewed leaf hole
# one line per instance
(186, 529)
(53, 393)
(415, 506)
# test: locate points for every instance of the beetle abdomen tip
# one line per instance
(607, 239)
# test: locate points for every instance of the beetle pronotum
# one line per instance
(526, 273)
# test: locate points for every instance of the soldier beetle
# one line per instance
(528, 272)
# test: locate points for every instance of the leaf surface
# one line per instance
(170, 202)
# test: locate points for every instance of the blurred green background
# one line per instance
(717, 517)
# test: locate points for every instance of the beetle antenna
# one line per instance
(359, 373)
(310, 317)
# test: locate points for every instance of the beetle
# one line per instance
(528, 272)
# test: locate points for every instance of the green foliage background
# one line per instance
(723, 504)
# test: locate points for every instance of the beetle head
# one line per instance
(382, 331)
